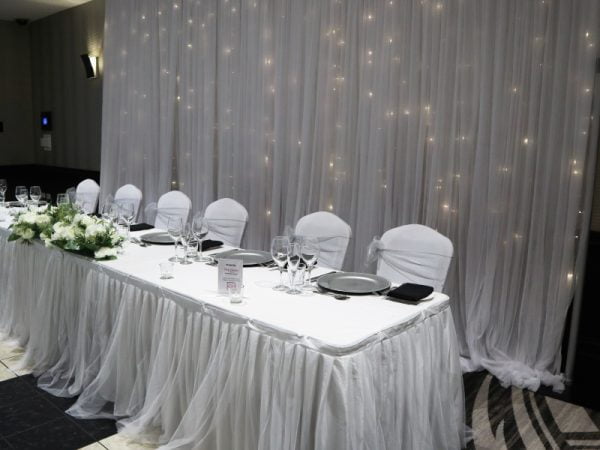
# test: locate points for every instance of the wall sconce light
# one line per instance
(90, 64)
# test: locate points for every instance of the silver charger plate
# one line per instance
(157, 238)
(249, 257)
(353, 283)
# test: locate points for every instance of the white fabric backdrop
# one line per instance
(468, 116)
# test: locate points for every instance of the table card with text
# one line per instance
(230, 274)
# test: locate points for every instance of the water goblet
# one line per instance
(175, 228)
(186, 235)
(279, 252)
(310, 253)
(200, 230)
(106, 211)
(35, 193)
(126, 214)
(21, 194)
(3, 187)
(293, 259)
(62, 199)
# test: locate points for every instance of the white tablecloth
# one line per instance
(180, 365)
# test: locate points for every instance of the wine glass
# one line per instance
(62, 199)
(186, 236)
(106, 210)
(80, 202)
(279, 252)
(105, 206)
(72, 194)
(293, 259)
(309, 247)
(21, 194)
(200, 230)
(3, 187)
(35, 192)
(126, 214)
(175, 228)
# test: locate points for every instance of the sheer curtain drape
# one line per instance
(469, 116)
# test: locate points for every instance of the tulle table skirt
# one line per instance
(177, 372)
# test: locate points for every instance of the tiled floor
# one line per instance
(30, 418)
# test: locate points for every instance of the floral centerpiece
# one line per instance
(65, 227)
(29, 225)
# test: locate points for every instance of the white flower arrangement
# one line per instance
(29, 225)
(64, 227)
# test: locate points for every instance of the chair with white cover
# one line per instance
(171, 204)
(129, 194)
(413, 254)
(332, 233)
(87, 194)
(226, 221)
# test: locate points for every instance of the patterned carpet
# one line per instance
(517, 419)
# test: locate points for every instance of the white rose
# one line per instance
(69, 232)
(94, 230)
(28, 217)
(105, 252)
(83, 219)
(27, 234)
(63, 232)
(42, 219)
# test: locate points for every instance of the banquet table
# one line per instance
(177, 364)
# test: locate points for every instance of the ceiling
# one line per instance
(34, 9)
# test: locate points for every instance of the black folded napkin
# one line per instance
(410, 292)
(210, 244)
(140, 227)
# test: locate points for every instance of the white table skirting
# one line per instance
(189, 374)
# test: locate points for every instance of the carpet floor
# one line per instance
(511, 418)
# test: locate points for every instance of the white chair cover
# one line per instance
(413, 254)
(171, 204)
(226, 220)
(87, 195)
(332, 233)
(129, 194)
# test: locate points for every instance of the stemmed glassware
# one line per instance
(126, 214)
(294, 258)
(200, 230)
(310, 253)
(105, 211)
(279, 252)
(175, 228)
(186, 236)
(21, 194)
(62, 199)
(80, 202)
(35, 193)
(3, 187)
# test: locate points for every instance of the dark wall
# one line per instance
(60, 86)
(52, 180)
(16, 141)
